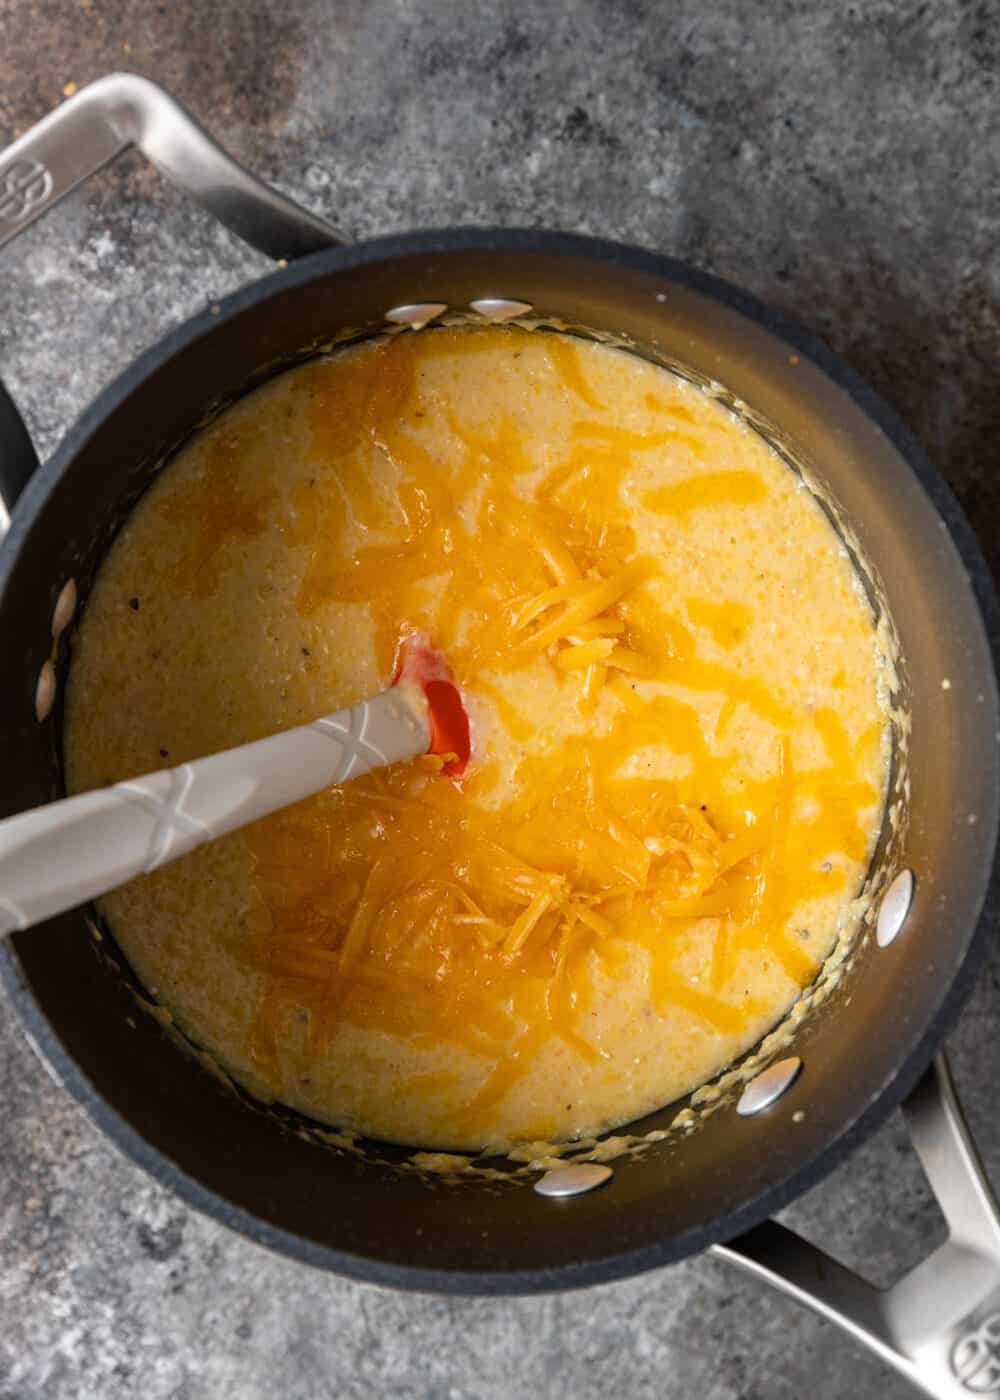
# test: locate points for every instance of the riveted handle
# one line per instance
(939, 1325)
(86, 132)
(123, 110)
(60, 855)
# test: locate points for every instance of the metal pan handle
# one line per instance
(123, 110)
(84, 134)
(939, 1325)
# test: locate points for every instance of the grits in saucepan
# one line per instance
(679, 735)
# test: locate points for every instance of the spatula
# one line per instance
(60, 855)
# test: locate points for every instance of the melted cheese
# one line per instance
(679, 749)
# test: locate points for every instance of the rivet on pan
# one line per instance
(45, 691)
(894, 908)
(416, 315)
(65, 607)
(498, 309)
(573, 1180)
(769, 1086)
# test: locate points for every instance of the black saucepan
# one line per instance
(863, 1051)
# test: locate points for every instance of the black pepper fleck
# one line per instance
(134, 604)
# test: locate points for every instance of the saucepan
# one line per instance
(862, 1050)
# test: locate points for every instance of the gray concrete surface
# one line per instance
(841, 161)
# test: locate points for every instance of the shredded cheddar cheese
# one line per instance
(678, 750)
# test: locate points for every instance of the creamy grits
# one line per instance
(679, 735)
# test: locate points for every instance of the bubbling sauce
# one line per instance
(679, 735)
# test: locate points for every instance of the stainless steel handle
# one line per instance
(87, 132)
(122, 110)
(939, 1325)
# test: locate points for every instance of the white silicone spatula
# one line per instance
(62, 854)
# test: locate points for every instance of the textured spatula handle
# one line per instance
(60, 855)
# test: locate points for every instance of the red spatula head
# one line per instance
(417, 661)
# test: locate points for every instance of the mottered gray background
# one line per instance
(840, 161)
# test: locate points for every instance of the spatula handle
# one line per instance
(63, 854)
